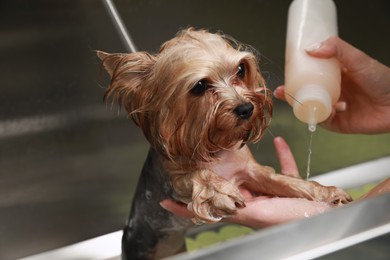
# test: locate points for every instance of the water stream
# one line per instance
(312, 129)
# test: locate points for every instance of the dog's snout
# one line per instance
(244, 111)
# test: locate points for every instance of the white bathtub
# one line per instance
(305, 239)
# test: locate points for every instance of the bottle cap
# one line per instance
(312, 104)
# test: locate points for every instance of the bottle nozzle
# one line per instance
(313, 104)
(312, 127)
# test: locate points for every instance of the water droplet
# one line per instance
(148, 194)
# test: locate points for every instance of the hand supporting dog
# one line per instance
(214, 197)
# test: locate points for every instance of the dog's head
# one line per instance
(202, 93)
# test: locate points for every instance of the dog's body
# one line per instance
(152, 232)
(199, 101)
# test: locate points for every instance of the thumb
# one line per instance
(351, 59)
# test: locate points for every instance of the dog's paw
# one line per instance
(337, 196)
(212, 202)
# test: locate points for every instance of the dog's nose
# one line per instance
(244, 111)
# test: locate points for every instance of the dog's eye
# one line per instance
(199, 88)
(241, 71)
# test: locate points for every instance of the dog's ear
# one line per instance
(130, 80)
(109, 61)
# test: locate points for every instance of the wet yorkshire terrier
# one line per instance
(199, 102)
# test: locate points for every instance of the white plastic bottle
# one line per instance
(312, 85)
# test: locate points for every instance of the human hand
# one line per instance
(381, 188)
(364, 104)
(263, 210)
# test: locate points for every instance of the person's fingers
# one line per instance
(279, 93)
(286, 158)
(383, 187)
(324, 50)
(341, 106)
(176, 208)
(263, 212)
(245, 193)
(351, 59)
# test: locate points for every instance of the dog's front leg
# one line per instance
(264, 180)
(213, 197)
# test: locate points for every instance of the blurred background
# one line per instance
(69, 165)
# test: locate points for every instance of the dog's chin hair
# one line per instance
(222, 132)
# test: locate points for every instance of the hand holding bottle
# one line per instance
(364, 104)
